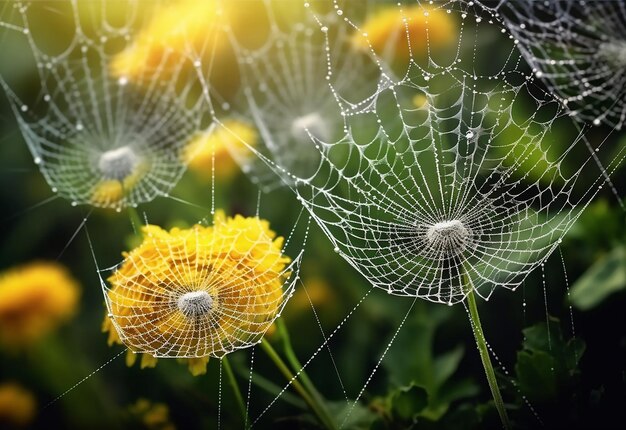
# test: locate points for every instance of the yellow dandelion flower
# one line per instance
(214, 149)
(35, 299)
(17, 405)
(174, 32)
(154, 416)
(386, 31)
(198, 292)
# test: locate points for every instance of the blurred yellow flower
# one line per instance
(111, 192)
(317, 292)
(154, 416)
(35, 299)
(198, 292)
(215, 149)
(107, 193)
(17, 405)
(420, 100)
(174, 34)
(385, 32)
(185, 31)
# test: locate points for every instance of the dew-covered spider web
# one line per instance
(285, 93)
(203, 291)
(454, 172)
(109, 122)
(579, 49)
(109, 125)
(451, 167)
(434, 163)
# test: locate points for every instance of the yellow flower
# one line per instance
(420, 100)
(35, 299)
(154, 416)
(386, 31)
(17, 405)
(174, 33)
(183, 31)
(318, 293)
(215, 149)
(198, 292)
(110, 193)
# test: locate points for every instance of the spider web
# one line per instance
(443, 169)
(285, 92)
(199, 293)
(469, 181)
(85, 125)
(579, 49)
(454, 166)
(99, 137)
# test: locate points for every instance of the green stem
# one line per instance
(295, 363)
(270, 387)
(233, 382)
(484, 354)
(321, 413)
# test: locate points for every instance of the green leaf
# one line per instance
(447, 363)
(360, 416)
(457, 389)
(547, 363)
(408, 402)
(605, 277)
(536, 376)
(543, 337)
(548, 338)
(413, 361)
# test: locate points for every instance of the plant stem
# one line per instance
(484, 354)
(295, 363)
(315, 406)
(270, 387)
(236, 390)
